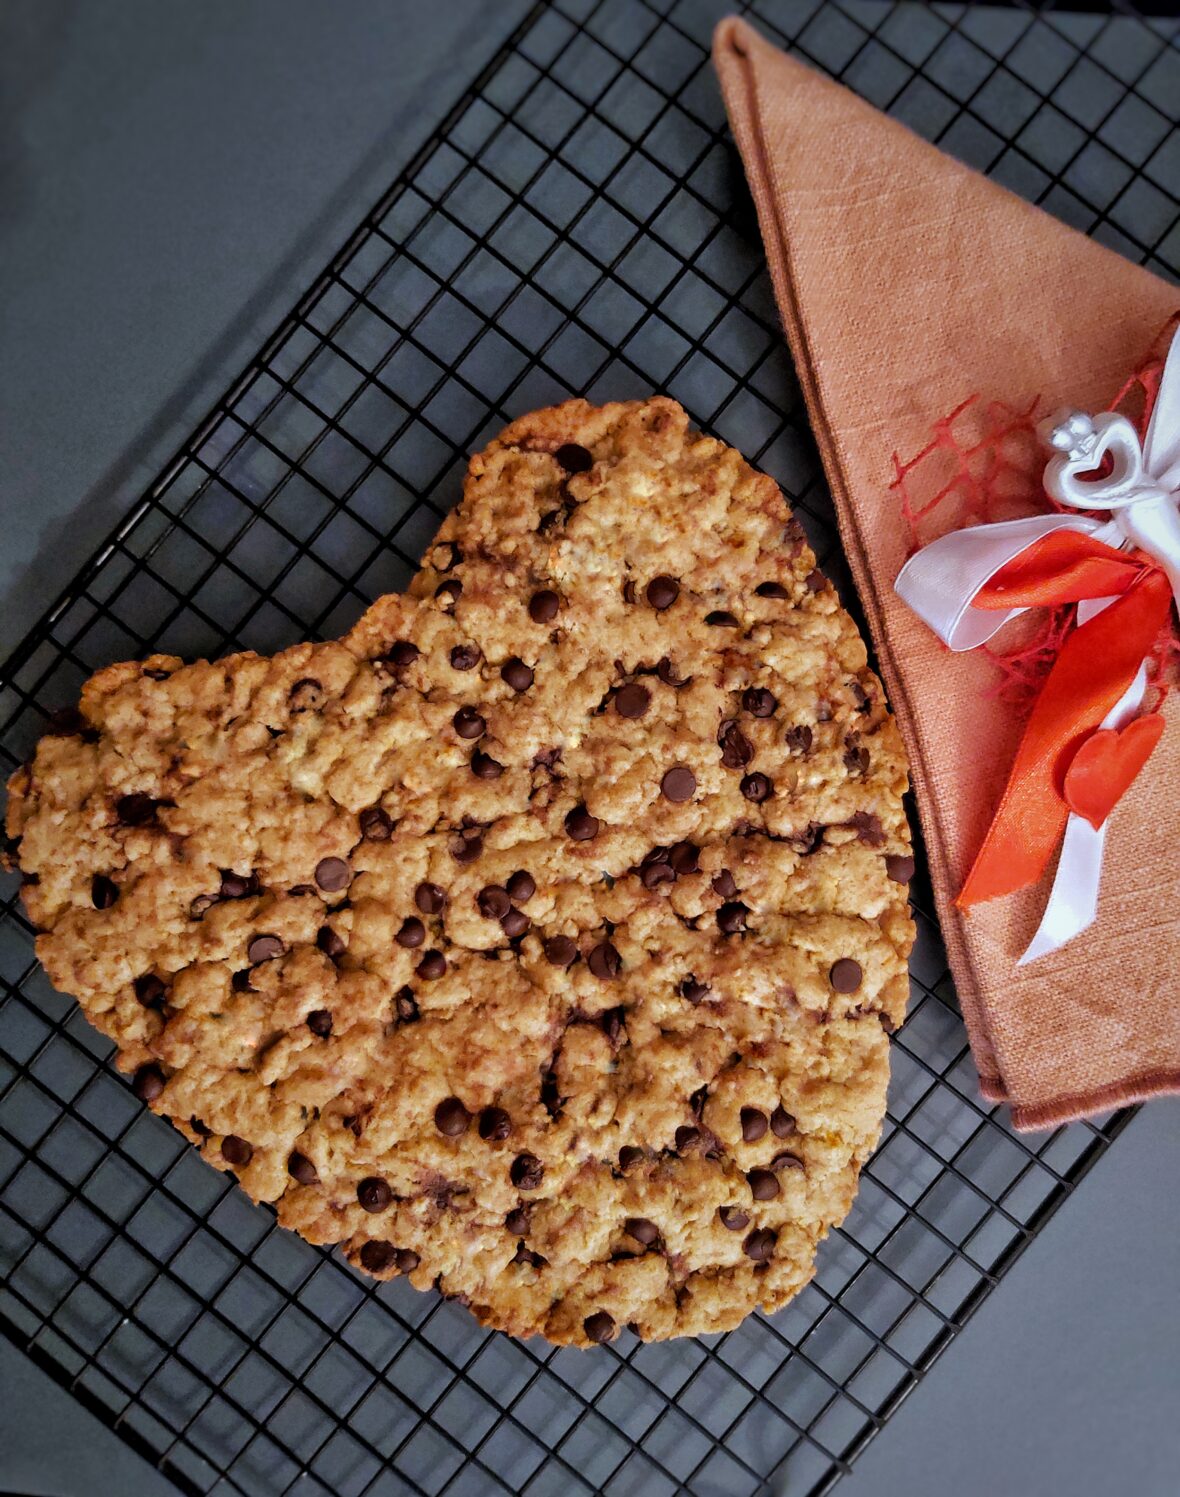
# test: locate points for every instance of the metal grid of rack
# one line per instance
(577, 225)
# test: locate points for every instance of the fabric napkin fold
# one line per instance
(908, 282)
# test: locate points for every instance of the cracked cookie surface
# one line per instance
(540, 939)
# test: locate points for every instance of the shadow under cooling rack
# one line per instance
(578, 225)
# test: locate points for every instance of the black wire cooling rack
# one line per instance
(578, 225)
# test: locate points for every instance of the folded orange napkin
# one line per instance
(908, 283)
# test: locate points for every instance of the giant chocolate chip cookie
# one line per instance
(540, 939)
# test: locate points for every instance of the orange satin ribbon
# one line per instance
(1097, 663)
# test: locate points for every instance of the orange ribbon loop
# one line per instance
(1097, 664)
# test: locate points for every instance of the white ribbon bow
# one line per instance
(1142, 497)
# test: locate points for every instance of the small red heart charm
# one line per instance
(1104, 767)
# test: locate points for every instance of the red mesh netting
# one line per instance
(983, 463)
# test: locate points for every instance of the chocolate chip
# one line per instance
(612, 1023)
(868, 828)
(236, 1151)
(666, 671)
(684, 858)
(548, 521)
(754, 1124)
(430, 899)
(468, 846)
(759, 702)
(319, 1021)
(135, 810)
(451, 1118)
(543, 606)
(653, 874)
(432, 966)
(814, 581)
(899, 867)
(679, 784)
(332, 875)
(763, 1185)
(693, 991)
(374, 1194)
(301, 1169)
(599, 1327)
(772, 590)
(521, 886)
(484, 767)
(518, 1221)
(199, 1128)
(406, 1259)
(149, 989)
(403, 653)
(632, 700)
(757, 787)
(808, 839)
(643, 1231)
(493, 902)
(516, 674)
(305, 695)
(412, 933)
(468, 723)
(786, 1162)
(724, 884)
(547, 758)
(527, 1172)
(406, 1005)
(662, 592)
(464, 657)
(68, 722)
(515, 923)
(494, 1124)
(733, 1218)
(823, 712)
(629, 1155)
(687, 1138)
(104, 892)
(526, 1255)
(574, 458)
(376, 1257)
(148, 1083)
(799, 739)
(580, 825)
(330, 942)
(721, 618)
(448, 592)
(731, 918)
(860, 697)
(736, 748)
(237, 885)
(604, 961)
(629, 591)
(264, 948)
(845, 975)
(760, 1244)
(560, 951)
(856, 759)
(782, 1124)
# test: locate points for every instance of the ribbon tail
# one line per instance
(1073, 899)
(1097, 665)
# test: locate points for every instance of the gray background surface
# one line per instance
(170, 175)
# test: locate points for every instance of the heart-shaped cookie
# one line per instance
(1103, 769)
(539, 940)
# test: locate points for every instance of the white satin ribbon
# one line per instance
(1141, 495)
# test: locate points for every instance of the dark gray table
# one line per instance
(169, 175)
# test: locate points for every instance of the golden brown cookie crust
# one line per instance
(538, 939)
